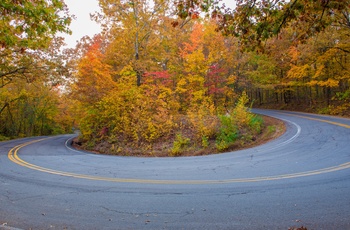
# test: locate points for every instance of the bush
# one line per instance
(228, 133)
(3, 138)
(204, 121)
(244, 118)
(180, 143)
(239, 123)
(255, 123)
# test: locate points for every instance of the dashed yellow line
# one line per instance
(13, 156)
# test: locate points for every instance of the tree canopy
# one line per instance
(255, 21)
(31, 66)
(32, 24)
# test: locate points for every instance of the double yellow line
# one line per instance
(13, 156)
(321, 120)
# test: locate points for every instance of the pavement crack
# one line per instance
(7, 196)
(138, 214)
(237, 194)
(117, 211)
(187, 213)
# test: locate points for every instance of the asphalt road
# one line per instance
(299, 179)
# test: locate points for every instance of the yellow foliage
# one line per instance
(204, 121)
(340, 109)
(240, 112)
(299, 72)
(313, 83)
(184, 97)
(128, 71)
(231, 80)
(294, 53)
(141, 114)
(179, 145)
(319, 72)
(329, 83)
(181, 86)
(196, 63)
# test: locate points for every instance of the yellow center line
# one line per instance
(321, 120)
(13, 156)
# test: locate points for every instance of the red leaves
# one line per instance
(161, 77)
(215, 80)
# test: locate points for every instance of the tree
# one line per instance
(256, 21)
(321, 64)
(138, 21)
(29, 108)
(31, 66)
(31, 24)
(94, 77)
(27, 36)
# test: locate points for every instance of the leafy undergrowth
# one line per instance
(184, 141)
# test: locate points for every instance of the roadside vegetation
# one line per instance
(196, 132)
(173, 77)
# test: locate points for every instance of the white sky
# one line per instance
(84, 26)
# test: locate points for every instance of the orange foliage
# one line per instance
(94, 77)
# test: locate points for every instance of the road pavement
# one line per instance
(299, 179)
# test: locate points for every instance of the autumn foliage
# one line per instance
(153, 83)
(177, 105)
(159, 86)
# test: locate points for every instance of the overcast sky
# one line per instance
(83, 25)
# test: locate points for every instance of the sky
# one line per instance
(83, 25)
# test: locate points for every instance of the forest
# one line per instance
(170, 76)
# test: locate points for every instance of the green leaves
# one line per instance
(32, 24)
(30, 66)
(256, 21)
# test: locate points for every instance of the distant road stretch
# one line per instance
(299, 179)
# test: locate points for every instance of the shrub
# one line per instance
(244, 118)
(204, 121)
(3, 138)
(205, 141)
(255, 123)
(180, 143)
(228, 133)
(271, 129)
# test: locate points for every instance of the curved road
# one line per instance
(299, 179)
